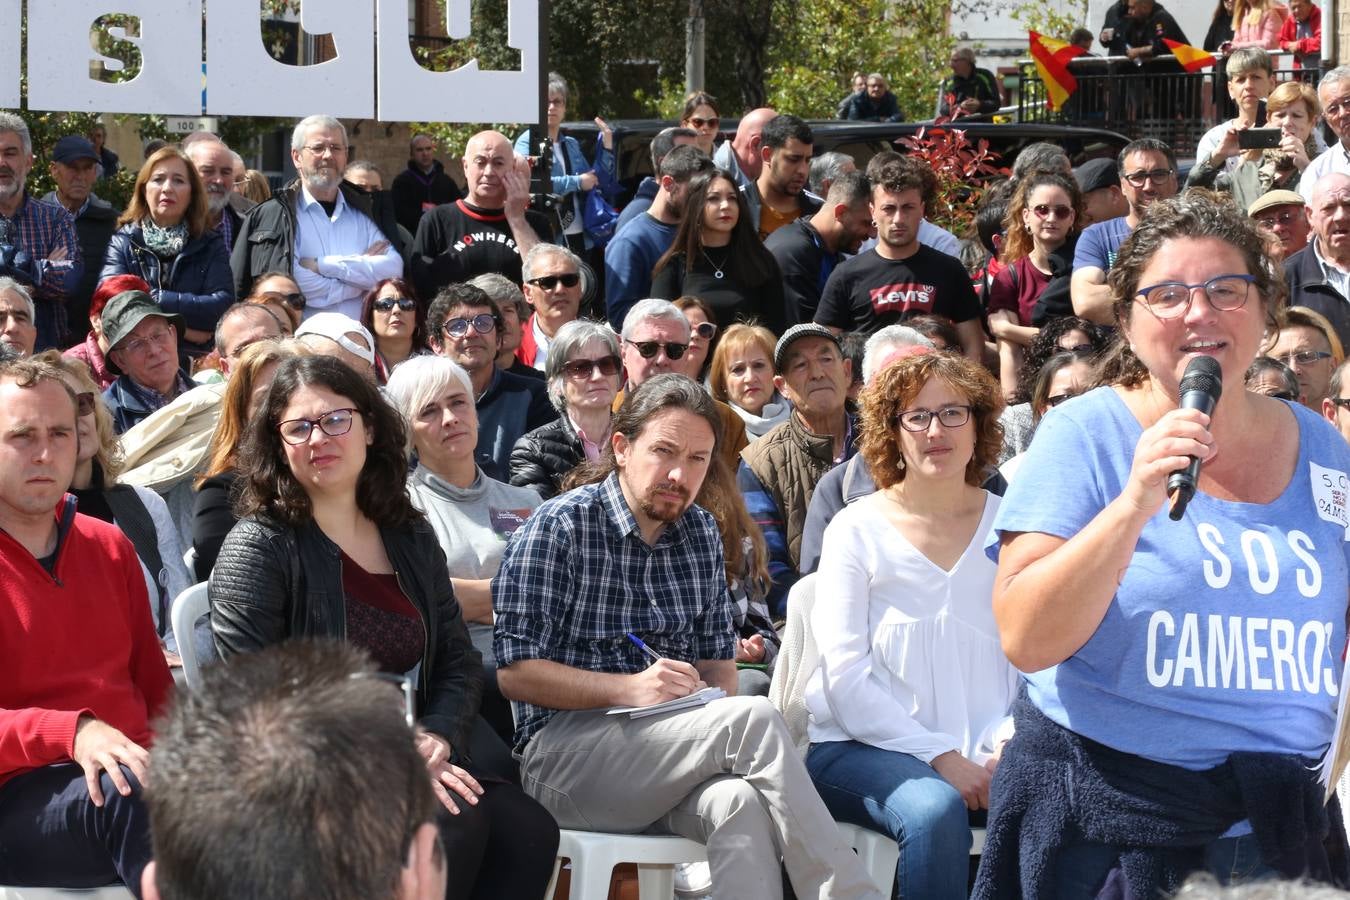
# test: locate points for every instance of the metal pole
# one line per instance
(695, 44)
(540, 181)
(1330, 33)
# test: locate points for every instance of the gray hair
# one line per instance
(304, 125)
(419, 136)
(364, 165)
(1336, 75)
(198, 137)
(967, 53)
(652, 308)
(571, 339)
(242, 310)
(239, 164)
(892, 337)
(418, 380)
(1338, 379)
(1041, 157)
(825, 168)
(663, 392)
(16, 125)
(541, 250)
(664, 142)
(1206, 887)
(9, 285)
(503, 290)
(557, 85)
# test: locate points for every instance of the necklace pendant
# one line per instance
(717, 273)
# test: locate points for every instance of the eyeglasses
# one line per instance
(549, 282)
(1056, 399)
(649, 349)
(84, 403)
(334, 423)
(702, 123)
(1287, 217)
(1342, 402)
(920, 419)
(1172, 298)
(320, 149)
(1157, 176)
(385, 304)
(159, 336)
(1078, 348)
(1046, 211)
(1303, 357)
(704, 330)
(608, 366)
(483, 323)
(294, 301)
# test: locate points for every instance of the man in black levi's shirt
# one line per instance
(490, 230)
(901, 278)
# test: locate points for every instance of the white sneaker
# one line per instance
(693, 881)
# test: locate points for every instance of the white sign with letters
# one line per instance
(243, 79)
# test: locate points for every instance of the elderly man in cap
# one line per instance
(1099, 182)
(779, 472)
(1283, 214)
(342, 337)
(74, 168)
(143, 350)
(1318, 276)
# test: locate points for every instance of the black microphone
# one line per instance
(1201, 386)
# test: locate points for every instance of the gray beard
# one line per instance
(216, 203)
(11, 190)
(316, 181)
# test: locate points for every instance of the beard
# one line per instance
(321, 179)
(12, 189)
(216, 202)
(664, 510)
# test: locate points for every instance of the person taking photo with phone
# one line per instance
(1227, 145)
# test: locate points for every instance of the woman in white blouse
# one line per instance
(908, 709)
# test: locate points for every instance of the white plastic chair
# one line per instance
(187, 608)
(111, 892)
(594, 854)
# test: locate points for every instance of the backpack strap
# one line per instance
(135, 522)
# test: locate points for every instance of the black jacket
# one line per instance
(1308, 287)
(272, 582)
(411, 190)
(543, 457)
(265, 241)
(195, 284)
(94, 227)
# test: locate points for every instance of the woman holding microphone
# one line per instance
(1182, 675)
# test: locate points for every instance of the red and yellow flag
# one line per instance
(1192, 59)
(1052, 62)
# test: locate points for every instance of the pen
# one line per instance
(643, 647)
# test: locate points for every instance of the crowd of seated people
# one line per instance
(535, 476)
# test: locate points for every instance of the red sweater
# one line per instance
(82, 641)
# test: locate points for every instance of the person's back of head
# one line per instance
(684, 162)
(1041, 156)
(291, 773)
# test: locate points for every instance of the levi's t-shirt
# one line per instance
(1227, 630)
(869, 292)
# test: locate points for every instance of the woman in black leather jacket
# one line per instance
(163, 237)
(583, 373)
(329, 545)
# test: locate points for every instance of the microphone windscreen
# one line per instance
(1203, 374)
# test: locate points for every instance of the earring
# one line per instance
(900, 462)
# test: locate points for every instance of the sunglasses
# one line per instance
(649, 349)
(1046, 211)
(700, 123)
(1056, 399)
(84, 403)
(385, 304)
(294, 301)
(549, 282)
(607, 366)
(704, 330)
(483, 323)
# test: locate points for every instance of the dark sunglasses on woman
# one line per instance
(385, 304)
(608, 366)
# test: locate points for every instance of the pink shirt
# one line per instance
(1265, 33)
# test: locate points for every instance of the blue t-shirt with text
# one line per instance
(1227, 630)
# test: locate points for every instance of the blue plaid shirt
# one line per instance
(39, 228)
(578, 575)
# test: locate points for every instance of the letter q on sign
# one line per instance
(1331, 494)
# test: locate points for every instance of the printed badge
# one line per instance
(505, 521)
(1330, 490)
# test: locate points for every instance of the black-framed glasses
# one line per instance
(294, 301)
(1172, 298)
(385, 304)
(1342, 402)
(1055, 211)
(1303, 357)
(483, 323)
(649, 349)
(334, 423)
(84, 403)
(953, 416)
(608, 366)
(549, 282)
(1157, 176)
(704, 330)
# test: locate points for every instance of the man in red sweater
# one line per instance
(81, 671)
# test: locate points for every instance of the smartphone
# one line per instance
(1259, 138)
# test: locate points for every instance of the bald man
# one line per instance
(490, 230)
(1319, 275)
(741, 155)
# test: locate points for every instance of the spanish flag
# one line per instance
(1192, 59)
(1052, 62)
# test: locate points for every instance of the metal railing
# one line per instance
(1155, 98)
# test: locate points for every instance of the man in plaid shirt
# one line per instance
(633, 555)
(38, 244)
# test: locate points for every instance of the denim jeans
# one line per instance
(898, 795)
(1081, 869)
